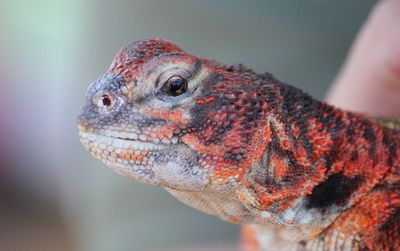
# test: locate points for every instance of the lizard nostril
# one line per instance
(106, 100)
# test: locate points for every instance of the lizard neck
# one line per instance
(343, 146)
(319, 161)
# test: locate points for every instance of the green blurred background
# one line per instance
(54, 195)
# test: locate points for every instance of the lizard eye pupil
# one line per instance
(106, 100)
(175, 86)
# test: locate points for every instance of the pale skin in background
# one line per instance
(369, 81)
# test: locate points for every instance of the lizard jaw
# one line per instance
(169, 165)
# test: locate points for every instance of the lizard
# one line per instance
(298, 173)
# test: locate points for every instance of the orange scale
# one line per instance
(364, 223)
(209, 99)
(176, 115)
(243, 140)
(164, 114)
(155, 113)
(285, 144)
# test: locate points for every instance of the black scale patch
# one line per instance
(335, 191)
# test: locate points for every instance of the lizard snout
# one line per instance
(104, 101)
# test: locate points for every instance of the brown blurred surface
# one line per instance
(25, 227)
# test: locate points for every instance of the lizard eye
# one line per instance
(175, 86)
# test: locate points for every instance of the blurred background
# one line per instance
(54, 195)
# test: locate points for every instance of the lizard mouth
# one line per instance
(124, 154)
(107, 142)
(121, 149)
(126, 151)
(166, 163)
(136, 139)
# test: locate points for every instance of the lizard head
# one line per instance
(162, 116)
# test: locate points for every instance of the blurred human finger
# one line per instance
(370, 79)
